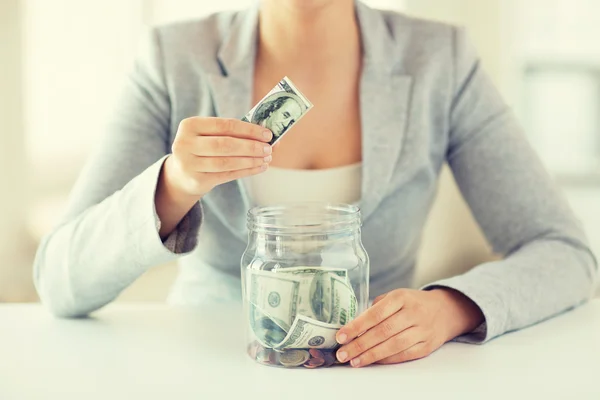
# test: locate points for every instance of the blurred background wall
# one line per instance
(63, 62)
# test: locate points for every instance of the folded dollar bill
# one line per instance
(280, 109)
(301, 307)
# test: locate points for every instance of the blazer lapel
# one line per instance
(384, 100)
(231, 88)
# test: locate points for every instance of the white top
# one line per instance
(155, 352)
(282, 185)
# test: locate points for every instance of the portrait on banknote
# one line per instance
(280, 109)
(278, 113)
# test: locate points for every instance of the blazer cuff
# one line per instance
(146, 224)
(184, 238)
(489, 304)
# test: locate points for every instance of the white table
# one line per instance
(157, 352)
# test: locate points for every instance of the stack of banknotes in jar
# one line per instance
(295, 313)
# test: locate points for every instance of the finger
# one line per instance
(394, 345)
(415, 352)
(226, 146)
(379, 312)
(378, 298)
(374, 336)
(226, 164)
(212, 126)
(224, 177)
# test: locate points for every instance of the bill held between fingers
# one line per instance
(213, 126)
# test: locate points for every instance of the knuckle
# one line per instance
(360, 346)
(247, 128)
(221, 124)
(417, 306)
(378, 299)
(353, 328)
(400, 342)
(181, 146)
(398, 295)
(186, 125)
(379, 315)
(405, 355)
(415, 352)
(386, 328)
(221, 164)
(228, 125)
(223, 145)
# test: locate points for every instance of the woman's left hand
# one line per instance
(405, 325)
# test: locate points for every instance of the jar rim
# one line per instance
(304, 218)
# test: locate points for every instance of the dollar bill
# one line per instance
(268, 330)
(341, 272)
(275, 296)
(278, 298)
(280, 109)
(340, 297)
(314, 293)
(282, 295)
(309, 333)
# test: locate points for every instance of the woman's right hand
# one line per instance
(207, 152)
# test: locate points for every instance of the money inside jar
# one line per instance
(296, 312)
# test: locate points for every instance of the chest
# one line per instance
(329, 135)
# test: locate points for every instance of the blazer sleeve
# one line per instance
(547, 265)
(109, 235)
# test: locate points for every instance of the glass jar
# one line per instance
(305, 274)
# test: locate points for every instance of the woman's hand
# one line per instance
(207, 152)
(405, 325)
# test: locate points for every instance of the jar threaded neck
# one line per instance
(304, 219)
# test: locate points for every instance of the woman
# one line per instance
(399, 95)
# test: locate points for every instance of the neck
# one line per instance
(308, 32)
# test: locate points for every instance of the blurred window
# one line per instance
(558, 59)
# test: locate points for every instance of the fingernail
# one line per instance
(355, 362)
(264, 167)
(268, 159)
(342, 356)
(267, 135)
(268, 150)
(341, 338)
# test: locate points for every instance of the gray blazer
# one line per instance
(424, 101)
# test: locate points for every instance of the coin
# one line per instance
(293, 358)
(329, 359)
(314, 363)
(253, 349)
(264, 356)
(316, 353)
(274, 357)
